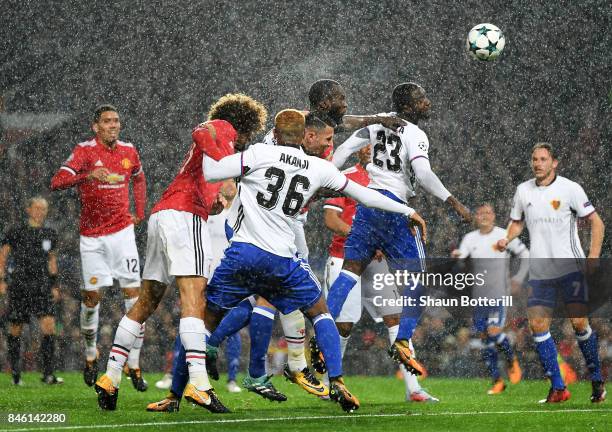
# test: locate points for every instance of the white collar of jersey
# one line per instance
(545, 186)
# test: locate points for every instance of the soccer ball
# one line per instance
(485, 42)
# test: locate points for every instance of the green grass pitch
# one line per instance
(464, 406)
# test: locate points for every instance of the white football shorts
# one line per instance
(178, 244)
(108, 257)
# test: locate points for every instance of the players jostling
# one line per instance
(264, 268)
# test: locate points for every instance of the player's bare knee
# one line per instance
(318, 308)
(47, 325)
(131, 292)
(493, 331)
(90, 298)
(580, 324)
(539, 325)
(263, 302)
(15, 330)
(353, 266)
(391, 320)
(344, 328)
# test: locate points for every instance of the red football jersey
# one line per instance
(189, 191)
(105, 206)
(347, 206)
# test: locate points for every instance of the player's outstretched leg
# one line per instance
(296, 370)
(107, 386)
(339, 291)
(236, 319)
(133, 362)
(414, 391)
(329, 341)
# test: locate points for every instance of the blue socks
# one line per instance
(328, 340)
(260, 330)
(339, 291)
(180, 372)
(233, 347)
(545, 345)
(233, 321)
(587, 341)
(503, 344)
(410, 314)
(489, 355)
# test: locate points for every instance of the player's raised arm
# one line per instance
(352, 122)
(433, 185)
(355, 142)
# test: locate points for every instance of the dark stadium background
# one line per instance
(164, 63)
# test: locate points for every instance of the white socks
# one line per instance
(133, 360)
(343, 344)
(294, 328)
(127, 333)
(192, 333)
(410, 380)
(89, 329)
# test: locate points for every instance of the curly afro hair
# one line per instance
(243, 112)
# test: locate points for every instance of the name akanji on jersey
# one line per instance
(105, 205)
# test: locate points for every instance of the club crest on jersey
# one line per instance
(555, 204)
(126, 163)
(93, 280)
(46, 245)
(422, 146)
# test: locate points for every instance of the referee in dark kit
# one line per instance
(34, 276)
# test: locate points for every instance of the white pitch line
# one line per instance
(345, 417)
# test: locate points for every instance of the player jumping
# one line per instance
(276, 183)
(338, 216)
(399, 160)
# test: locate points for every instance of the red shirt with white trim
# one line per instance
(347, 206)
(189, 191)
(105, 206)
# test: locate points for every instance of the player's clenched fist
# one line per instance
(502, 244)
(417, 221)
(100, 174)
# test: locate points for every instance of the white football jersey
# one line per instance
(550, 214)
(482, 248)
(392, 153)
(269, 138)
(216, 232)
(276, 183)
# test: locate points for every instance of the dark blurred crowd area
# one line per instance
(165, 63)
